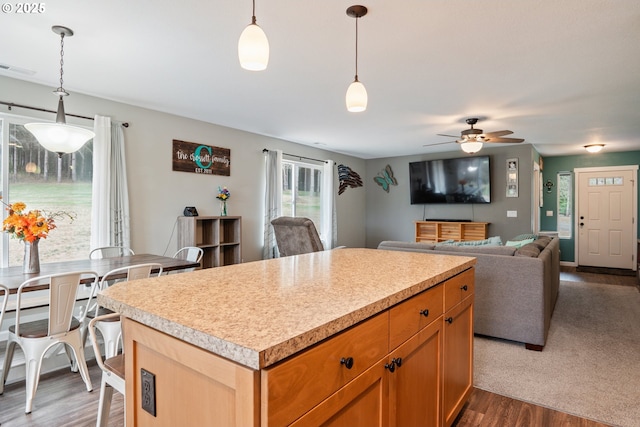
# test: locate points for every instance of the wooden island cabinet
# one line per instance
(391, 347)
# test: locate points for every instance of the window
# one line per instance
(44, 181)
(565, 205)
(301, 191)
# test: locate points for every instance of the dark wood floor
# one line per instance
(485, 409)
(62, 400)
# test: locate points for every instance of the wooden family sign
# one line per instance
(200, 158)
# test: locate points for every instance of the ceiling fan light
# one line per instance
(356, 97)
(594, 148)
(471, 147)
(253, 48)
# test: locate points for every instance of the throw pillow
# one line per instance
(491, 241)
(529, 250)
(518, 243)
(524, 237)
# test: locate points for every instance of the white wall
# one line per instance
(158, 195)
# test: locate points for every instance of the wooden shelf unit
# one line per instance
(219, 236)
(439, 231)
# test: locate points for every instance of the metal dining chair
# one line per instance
(188, 253)
(110, 329)
(112, 370)
(35, 338)
(110, 252)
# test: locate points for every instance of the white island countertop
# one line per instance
(259, 313)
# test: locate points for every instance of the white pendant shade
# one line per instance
(253, 48)
(59, 137)
(356, 97)
(471, 147)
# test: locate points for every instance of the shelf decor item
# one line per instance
(30, 227)
(223, 196)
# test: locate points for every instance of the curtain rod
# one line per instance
(264, 150)
(11, 104)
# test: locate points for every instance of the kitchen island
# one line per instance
(309, 339)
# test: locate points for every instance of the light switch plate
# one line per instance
(512, 214)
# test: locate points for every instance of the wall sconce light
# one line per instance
(549, 185)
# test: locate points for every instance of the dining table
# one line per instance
(13, 277)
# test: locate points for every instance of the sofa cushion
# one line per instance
(486, 249)
(529, 250)
(396, 245)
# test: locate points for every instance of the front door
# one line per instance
(605, 226)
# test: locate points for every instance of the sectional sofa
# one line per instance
(516, 288)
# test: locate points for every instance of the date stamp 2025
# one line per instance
(23, 8)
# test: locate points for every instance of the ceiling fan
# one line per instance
(472, 139)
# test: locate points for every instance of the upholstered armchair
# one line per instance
(296, 235)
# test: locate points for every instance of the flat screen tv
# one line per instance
(461, 180)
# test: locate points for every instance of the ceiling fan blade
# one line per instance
(498, 133)
(506, 140)
(452, 136)
(439, 143)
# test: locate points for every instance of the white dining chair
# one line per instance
(112, 370)
(110, 252)
(35, 338)
(110, 329)
(188, 253)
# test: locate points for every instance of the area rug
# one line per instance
(590, 366)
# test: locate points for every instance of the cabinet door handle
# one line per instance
(464, 288)
(397, 361)
(449, 320)
(347, 362)
(425, 312)
(391, 366)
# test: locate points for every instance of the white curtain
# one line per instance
(110, 202)
(272, 200)
(329, 234)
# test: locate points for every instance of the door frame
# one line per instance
(634, 225)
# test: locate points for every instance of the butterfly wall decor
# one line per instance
(385, 178)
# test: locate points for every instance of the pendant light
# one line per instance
(60, 137)
(253, 46)
(356, 97)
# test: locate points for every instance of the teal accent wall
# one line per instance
(553, 165)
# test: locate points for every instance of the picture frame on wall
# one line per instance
(512, 177)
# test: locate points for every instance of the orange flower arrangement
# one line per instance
(32, 225)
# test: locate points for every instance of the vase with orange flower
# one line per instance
(30, 227)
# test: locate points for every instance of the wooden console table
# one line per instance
(439, 231)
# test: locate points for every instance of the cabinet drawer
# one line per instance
(293, 386)
(458, 288)
(410, 316)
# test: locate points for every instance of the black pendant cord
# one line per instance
(253, 17)
(356, 79)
